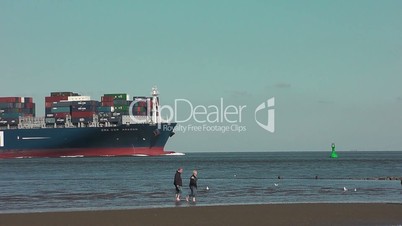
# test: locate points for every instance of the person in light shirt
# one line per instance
(193, 186)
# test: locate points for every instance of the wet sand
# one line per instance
(269, 214)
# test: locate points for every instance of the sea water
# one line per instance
(65, 184)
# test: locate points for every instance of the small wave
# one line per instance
(176, 153)
(72, 156)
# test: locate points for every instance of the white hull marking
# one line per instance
(35, 138)
(1, 139)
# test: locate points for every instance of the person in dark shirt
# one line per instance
(178, 183)
(193, 186)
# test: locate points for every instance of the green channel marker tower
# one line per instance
(334, 155)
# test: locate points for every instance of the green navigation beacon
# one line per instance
(333, 153)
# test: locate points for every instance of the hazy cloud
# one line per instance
(399, 98)
(283, 85)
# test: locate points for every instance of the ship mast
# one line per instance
(155, 105)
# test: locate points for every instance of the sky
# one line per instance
(334, 68)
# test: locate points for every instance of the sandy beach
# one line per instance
(269, 214)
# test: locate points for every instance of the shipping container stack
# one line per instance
(12, 108)
(83, 111)
(113, 107)
(60, 105)
(57, 107)
(105, 109)
(140, 106)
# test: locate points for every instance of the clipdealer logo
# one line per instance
(270, 126)
(200, 118)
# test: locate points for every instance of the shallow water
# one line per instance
(63, 184)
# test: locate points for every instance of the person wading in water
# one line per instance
(178, 183)
(193, 186)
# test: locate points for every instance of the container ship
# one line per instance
(77, 126)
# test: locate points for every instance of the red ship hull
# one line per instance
(85, 152)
